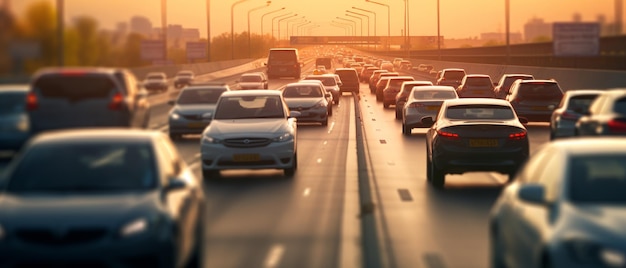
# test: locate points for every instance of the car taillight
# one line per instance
(116, 102)
(518, 135)
(31, 101)
(570, 115)
(448, 135)
(616, 125)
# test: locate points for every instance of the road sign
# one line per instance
(576, 39)
(196, 50)
(152, 50)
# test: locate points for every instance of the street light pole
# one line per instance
(388, 21)
(351, 21)
(360, 23)
(277, 17)
(507, 12)
(271, 12)
(438, 33)
(298, 20)
(267, 4)
(278, 24)
(350, 27)
(296, 27)
(345, 28)
(208, 30)
(232, 28)
(60, 32)
(368, 24)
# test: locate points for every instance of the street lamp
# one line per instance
(60, 31)
(296, 27)
(278, 17)
(232, 28)
(438, 33)
(280, 20)
(298, 20)
(375, 26)
(352, 32)
(267, 4)
(271, 12)
(388, 20)
(346, 28)
(368, 24)
(361, 22)
(311, 29)
(306, 28)
(351, 21)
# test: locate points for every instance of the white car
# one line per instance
(424, 101)
(310, 100)
(565, 208)
(250, 129)
(253, 81)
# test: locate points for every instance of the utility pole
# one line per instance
(164, 26)
(208, 30)
(60, 32)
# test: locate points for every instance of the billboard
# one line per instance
(576, 39)
(196, 50)
(152, 50)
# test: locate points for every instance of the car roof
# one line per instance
(454, 69)
(517, 75)
(477, 101)
(85, 70)
(417, 82)
(17, 88)
(401, 77)
(251, 74)
(477, 75)
(208, 86)
(538, 80)
(95, 134)
(590, 145)
(251, 92)
(345, 69)
(578, 92)
(442, 88)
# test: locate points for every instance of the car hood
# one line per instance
(194, 109)
(604, 222)
(238, 128)
(258, 85)
(301, 102)
(89, 209)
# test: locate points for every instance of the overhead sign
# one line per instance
(196, 50)
(152, 50)
(576, 39)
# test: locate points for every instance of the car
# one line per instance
(329, 96)
(565, 208)
(183, 78)
(156, 82)
(405, 65)
(349, 80)
(193, 109)
(15, 129)
(372, 79)
(320, 69)
(388, 94)
(425, 68)
(387, 65)
(251, 129)
(113, 198)
(83, 97)
(474, 134)
(450, 77)
(327, 62)
(378, 84)
(575, 104)
(310, 100)
(329, 81)
(256, 80)
(503, 86)
(423, 101)
(366, 73)
(283, 62)
(535, 99)
(606, 115)
(476, 86)
(405, 91)
(357, 66)
(396, 63)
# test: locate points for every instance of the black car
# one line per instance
(183, 78)
(606, 115)
(474, 134)
(112, 198)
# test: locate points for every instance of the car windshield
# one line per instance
(12, 103)
(598, 179)
(540, 90)
(304, 91)
(434, 94)
(249, 107)
(84, 167)
(581, 103)
(251, 78)
(199, 96)
(480, 112)
(620, 106)
(75, 87)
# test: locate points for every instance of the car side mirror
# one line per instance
(428, 121)
(340, 84)
(176, 184)
(171, 102)
(327, 95)
(523, 120)
(532, 193)
(294, 114)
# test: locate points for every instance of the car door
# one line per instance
(587, 124)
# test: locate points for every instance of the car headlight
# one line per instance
(22, 125)
(320, 104)
(134, 227)
(209, 139)
(174, 116)
(284, 138)
(594, 253)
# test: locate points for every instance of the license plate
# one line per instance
(483, 143)
(246, 157)
(196, 124)
(432, 108)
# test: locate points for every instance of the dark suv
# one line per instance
(535, 99)
(86, 97)
(451, 77)
(349, 80)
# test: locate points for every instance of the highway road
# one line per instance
(262, 219)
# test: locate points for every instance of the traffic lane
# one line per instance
(422, 226)
(260, 218)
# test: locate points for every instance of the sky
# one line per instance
(459, 18)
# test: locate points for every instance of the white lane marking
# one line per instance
(307, 191)
(332, 126)
(274, 256)
(319, 160)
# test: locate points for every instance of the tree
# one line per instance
(88, 48)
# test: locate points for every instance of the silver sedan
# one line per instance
(574, 105)
(566, 208)
(424, 101)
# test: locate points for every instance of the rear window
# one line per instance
(454, 75)
(200, 96)
(251, 78)
(540, 90)
(488, 112)
(433, 94)
(620, 106)
(347, 75)
(581, 102)
(302, 92)
(478, 81)
(397, 82)
(282, 57)
(75, 87)
(12, 103)
(598, 179)
(508, 81)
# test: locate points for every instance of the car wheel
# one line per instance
(290, 172)
(552, 137)
(438, 179)
(398, 114)
(195, 259)
(406, 130)
(210, 174)
(330, 110)
(429, 168)
(385, 105)
(325, 122)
